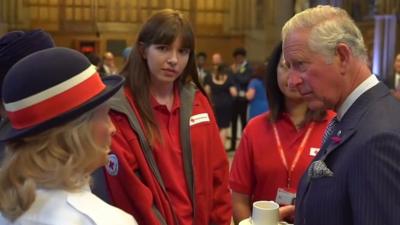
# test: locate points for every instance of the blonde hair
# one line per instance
(59, 158)
(328, 26)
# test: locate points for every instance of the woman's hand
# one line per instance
(287, 213)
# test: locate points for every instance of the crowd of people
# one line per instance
(85, 143)
(237, 92)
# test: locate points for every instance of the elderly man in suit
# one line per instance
(354, 179)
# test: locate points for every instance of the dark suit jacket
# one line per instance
(241, 79)
(390, 81)
(365, 186)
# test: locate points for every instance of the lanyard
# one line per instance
(298, 153)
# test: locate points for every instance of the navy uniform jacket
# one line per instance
(365, 161)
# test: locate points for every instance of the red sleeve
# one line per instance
(241, 178)
(221, 212)
(125, 185)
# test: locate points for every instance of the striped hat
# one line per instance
(51, 87)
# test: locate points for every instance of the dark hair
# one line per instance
(276, 98)
(161, 28)
(222, 70)
(201, 54)
(93, 58)
(260, 69)
(239, 51)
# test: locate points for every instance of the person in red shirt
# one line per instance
(165, 168)
(276, 146)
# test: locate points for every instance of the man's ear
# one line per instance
(142, 50)
(343, 53)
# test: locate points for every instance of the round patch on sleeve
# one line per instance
(112, 165)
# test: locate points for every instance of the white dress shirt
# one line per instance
(367, 84)
(59, 207)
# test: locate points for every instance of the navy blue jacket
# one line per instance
(365, 161)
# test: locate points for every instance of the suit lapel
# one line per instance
(347, 126)
(342, 138)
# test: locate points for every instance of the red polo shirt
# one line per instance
(133, 186)
(257, 169)
(168, 155)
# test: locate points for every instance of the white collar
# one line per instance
(98, 210)
(367, 84)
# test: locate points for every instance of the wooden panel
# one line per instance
(200, 18)
(53, 14)
(101, 2)
(116, 46)
(87, 14)
(178, 4)
(68, 14)
(79, 14)
(223, 44)
(169, 3)
(53, 2)
(155, 3)
(200, 4)
(34, 12)
(219, 5)
(186, 5)
(101, 14)
(86, 2)
(77, 17)
(43, 13)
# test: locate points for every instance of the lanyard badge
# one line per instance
(298, 153)
(285, 196)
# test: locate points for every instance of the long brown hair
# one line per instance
(161, 28)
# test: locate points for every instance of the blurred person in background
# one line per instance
(222, 91)
(94, 59)
(125, 54)
(204, 74)
(393, 81)
(107, 65)
(216, 60)
(256, 93)
(241, 73)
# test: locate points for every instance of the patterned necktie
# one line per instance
(329, 130)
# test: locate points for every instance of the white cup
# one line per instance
(265, 213)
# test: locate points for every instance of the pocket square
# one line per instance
(319, 169)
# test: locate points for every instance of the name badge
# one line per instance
(285, 196)
(199, 118)
(314, 151)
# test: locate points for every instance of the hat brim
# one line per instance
(113, 84)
